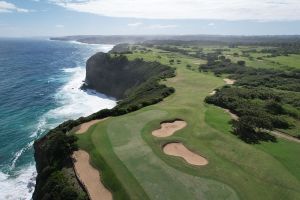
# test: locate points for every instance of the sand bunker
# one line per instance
(213, 92)
(178, 149)
(82, 128)
(169, 128)
(232, 115)
(229, 81)
(90, 177)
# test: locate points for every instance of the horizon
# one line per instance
(52, 18)
(143, 35)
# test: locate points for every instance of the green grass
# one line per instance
(256, 63)
(279, 62)
(291, 61)
(134, 166)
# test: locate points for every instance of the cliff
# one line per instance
(117, 77)
(135, 82)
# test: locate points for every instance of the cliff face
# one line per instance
(116, 76)
(56, 178)
(136, 82)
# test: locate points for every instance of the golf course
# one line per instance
(133, 164)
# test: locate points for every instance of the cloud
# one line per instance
(189, 9)
(59, 26)
(135, 24)
(211, 24)
(153, 26)
(9, 7)
(160, 26)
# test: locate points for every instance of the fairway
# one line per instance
(134, 165)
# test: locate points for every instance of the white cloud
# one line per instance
(153, 26)
(189, 9)
(211, 24)
(9, 7)
(135, 24)
(59, 26)
(161, 26)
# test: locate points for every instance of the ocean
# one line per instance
(39, 89)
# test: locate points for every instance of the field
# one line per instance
(134, 166)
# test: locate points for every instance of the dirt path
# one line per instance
(169, 128)
(82, 128)
(178, 149)
(275, 133)
(90, 177)
(229, 81)
(283, 135)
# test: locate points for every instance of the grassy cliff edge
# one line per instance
(129, 81)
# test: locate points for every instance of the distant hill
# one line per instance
(117, 39)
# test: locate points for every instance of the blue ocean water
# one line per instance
(39, 88)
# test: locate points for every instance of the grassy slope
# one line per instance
(279, 62)
(292, 61)
(235, 169)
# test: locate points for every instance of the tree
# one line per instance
(274, 107)
(222, 57)
(188, 66)
(249, 129)
(241, 63)
(171, 61)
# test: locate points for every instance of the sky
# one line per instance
(28, 18)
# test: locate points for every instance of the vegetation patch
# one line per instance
(258, 98)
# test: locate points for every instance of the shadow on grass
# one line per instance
(255, 137)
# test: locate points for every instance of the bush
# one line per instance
(241, 63)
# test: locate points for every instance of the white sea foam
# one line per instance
(102, 47)
(75, 102)
(72, 103)
(19, 186)
(19, 153)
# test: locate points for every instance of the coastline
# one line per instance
(18, 174)
(128, 104)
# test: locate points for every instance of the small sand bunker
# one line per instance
(213, 92)
(233, 116)
(229, 81)
(82, 128)
(169, 128)
(178, 149)
(90, 177)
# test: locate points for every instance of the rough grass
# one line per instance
(291, 61)
(279, 62)
(134, 165)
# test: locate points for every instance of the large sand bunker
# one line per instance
(82, 128)
(90, 177)
(178, 149)
(169, 128)
(229, 81)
